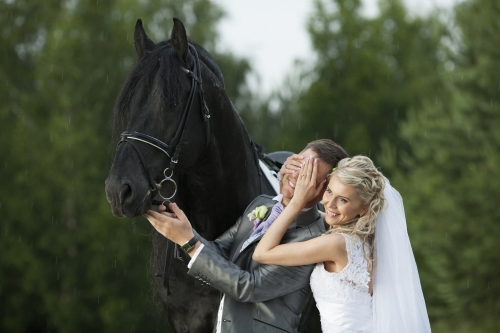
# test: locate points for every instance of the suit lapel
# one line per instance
(247, 233)
(306, 219)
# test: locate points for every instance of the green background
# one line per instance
(418, 94)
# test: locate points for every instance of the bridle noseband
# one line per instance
(173, 149)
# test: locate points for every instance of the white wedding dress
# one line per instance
(397, 305)
(343, 299)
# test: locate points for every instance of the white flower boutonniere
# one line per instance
(257, 215)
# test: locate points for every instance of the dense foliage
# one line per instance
(367, 73)
(68, 265)
(419, 94)
(450, 178)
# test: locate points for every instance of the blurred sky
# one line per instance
(272, 33)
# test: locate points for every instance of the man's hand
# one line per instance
(174, 226)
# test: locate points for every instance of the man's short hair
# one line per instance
(328, 151)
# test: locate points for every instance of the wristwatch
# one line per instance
(189, 245)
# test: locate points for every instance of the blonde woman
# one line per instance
(348, 299)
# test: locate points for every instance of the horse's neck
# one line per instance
(225, 180)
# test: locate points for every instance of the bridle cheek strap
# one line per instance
(173, 149)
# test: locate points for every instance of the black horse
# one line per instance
(175, 94)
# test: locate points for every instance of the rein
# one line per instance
(173, 149)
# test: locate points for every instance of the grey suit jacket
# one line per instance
(258, 298)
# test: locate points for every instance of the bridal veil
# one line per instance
(398, 301)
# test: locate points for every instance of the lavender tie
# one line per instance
(275, 212)
(261, 228)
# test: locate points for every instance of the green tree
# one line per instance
(451, 179)
(66, 264)
(368, 72)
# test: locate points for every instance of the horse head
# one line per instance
(179, 128)
(162, 109)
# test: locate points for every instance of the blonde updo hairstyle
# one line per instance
(369, 183)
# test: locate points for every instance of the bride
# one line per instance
(366, 279)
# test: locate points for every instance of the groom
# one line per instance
(255, 297)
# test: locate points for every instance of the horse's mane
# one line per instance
(160, 64)
(207, 59)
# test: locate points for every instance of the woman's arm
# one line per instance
(269, 247)
(329, 247)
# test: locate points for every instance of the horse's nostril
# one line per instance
(126, 193)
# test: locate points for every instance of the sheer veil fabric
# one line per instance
(398, 301)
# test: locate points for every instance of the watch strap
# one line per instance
(188, 246)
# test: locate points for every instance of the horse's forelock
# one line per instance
(161, 66)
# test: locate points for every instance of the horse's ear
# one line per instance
(180, 40)
(142, 43)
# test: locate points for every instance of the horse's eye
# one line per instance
(173, 105)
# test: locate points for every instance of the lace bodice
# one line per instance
(343, 298)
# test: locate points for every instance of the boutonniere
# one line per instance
(257, 215)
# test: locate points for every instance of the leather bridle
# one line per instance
(173, 149)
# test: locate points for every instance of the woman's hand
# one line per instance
(292, 164)
(306, 187)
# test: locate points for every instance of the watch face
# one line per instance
(186, 247)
